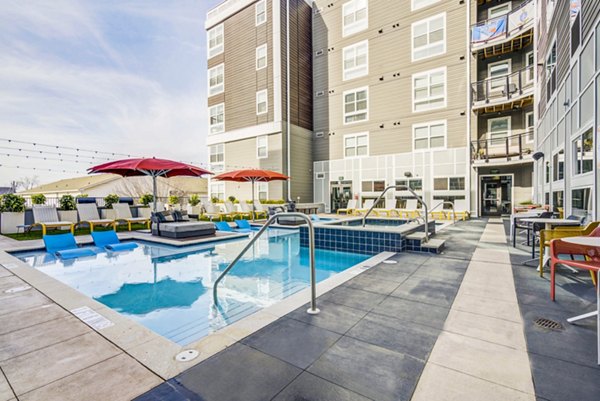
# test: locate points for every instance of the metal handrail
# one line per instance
(445, 203)
(406, 188)
(313, 310)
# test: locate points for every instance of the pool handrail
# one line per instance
(313, 310)
(445, 203)
(405, 188)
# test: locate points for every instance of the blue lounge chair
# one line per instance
(223, 226)
(109, 241)
(244, 227)
(65, 247)
(314, 217)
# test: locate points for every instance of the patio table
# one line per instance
(548, 224)
(591, 242)
(521, 215)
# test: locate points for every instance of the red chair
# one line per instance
(588, 258)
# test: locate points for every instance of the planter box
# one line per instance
(10, 221)
(197, 210)
(144, 212)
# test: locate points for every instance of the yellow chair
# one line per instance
(350, 207)
(562, 232)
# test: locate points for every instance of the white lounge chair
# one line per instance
(461, 211)
(350, 207)
(390, 208)
(259, 210)
(411, 210)
(47, 217)
(123, 213)
(211, 211)
(88, 214)
(366, 206)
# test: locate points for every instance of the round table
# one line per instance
(552, 222)
(586, 241)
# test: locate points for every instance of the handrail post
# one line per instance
(313, 310)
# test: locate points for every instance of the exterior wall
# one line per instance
(301, 172)
(522, 180)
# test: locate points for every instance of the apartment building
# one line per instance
(568, 54)
(502, 88)
(390, 97)
(260, 95)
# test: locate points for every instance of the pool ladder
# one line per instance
(405, 188)
(313, 310)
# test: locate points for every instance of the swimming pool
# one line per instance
(168, 289)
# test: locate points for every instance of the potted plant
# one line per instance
(109, 200)
(12, 207)
(194, 205)
(38, 199)
(67, 209)
(145, 201)
(174, 202)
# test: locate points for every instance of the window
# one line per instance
(373, 186)
(216, 80)
(261, 12)
(581, 202)
(558, 163)
(558, 199)
(498, 130)
(261, 102)
(355, 15)
(217, 190)
(356, 105)
(529, 127)
(262, 147)
(583, 152)
(497, 73)
(217, 157)
(500, 10)
(449, 184)
(529, 65)
(356, 145)
(215, 39)
(429, 90)
(429, 136)
(416, 184)
(551, 71)
(428, 37)
(263, 191)
(549, 12)
(261, 57)
(356, 60)
(416, 4)
(587, 63)
(216, 116)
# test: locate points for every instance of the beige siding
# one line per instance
(301, 164)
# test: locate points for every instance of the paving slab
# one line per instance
(333, 317)
(117, 379)
(445, 384)
(358, 299)
(22, 300)
(40, 336)
(412, 311)
(428, 290)
(308, 387)
(488, 307)
(373, 284)
(6, 392)
(39, 368)
(30, 317)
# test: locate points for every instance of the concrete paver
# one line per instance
(6, 392)
(30, 317)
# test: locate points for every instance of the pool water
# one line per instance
(169, 289)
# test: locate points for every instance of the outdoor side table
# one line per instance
(548, 224)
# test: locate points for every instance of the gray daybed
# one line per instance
(176, 226)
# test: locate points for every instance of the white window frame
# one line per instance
(529, 79)
(489, 129)
(265, 146)
(259, 49)
(217, 49)
(492, 9)
(214, 150)
(355, 136)
(428, 45)
(502, 87)
(258, 102)
(366, 112)
(428, 74)
(356, 71)
(428, 125)
(221, 186)
(527, 127)
(356, 26)
(448, 190)
(219, 127)
(258, 22)
(219, 88)
(418, 4)
(262, 187)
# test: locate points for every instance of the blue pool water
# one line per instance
(169, 289)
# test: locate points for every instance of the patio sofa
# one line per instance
(177, 226)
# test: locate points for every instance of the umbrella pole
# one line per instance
(253, 209)
(154, 191)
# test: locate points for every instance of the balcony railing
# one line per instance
(508, 148)
(503, 88)
(497, 29)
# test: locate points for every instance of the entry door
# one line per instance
(341, 193)
(491, 198)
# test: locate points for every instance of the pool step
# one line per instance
(415, 242)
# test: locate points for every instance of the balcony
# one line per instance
(503, 92)
(512, 149)
(504, 34)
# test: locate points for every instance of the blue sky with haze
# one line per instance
(112, 75)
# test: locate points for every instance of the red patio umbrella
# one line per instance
(152, 167)
(251, 175)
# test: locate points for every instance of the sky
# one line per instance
(112, 76)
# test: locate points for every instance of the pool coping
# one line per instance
(154, 351)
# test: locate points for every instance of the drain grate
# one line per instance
(548, 324)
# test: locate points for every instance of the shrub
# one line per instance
(194, 200)
(214, 199)
(12, 203)
(173, 200)
(525, 203)
(38, 199)
(110, 199)
(231, 199)
(67, 202)
(146, 199)
(81, 196)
